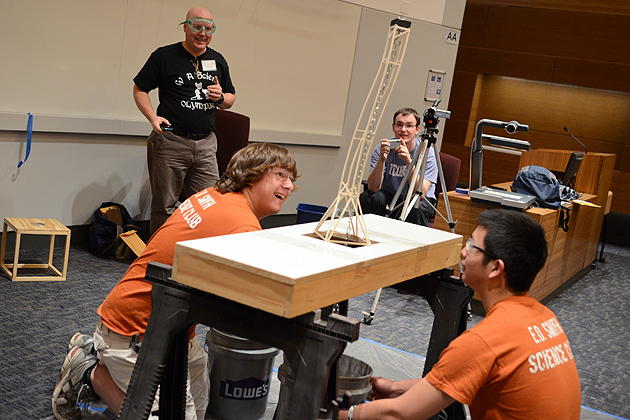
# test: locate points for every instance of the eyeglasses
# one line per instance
(281, 175)
(407, 126)
(470, 244)
(198, 24)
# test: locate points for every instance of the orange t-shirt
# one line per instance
(208, 213)
(516, 363)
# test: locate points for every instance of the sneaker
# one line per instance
(82, 340)
(71, 392)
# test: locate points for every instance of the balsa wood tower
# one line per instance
(347, 201)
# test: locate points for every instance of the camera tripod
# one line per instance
(414, 173)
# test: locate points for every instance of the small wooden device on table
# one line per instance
(268, 286)
(25, 226)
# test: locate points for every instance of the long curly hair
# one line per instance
(249, 164)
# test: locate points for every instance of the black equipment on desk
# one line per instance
(570, 173)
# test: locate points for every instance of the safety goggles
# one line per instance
(281, 175)
(470, 244)
(197, 25)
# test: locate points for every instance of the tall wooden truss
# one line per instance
(347, 201)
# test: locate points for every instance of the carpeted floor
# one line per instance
(37, 319)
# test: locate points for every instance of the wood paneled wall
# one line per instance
(548, 64)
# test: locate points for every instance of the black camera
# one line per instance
(432, 116)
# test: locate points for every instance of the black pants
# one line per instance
(376, 203)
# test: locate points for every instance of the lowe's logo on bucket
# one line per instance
(246, 389)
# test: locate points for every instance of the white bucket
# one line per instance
(240, 376)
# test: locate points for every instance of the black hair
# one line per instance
(519, 241)
(408, 111)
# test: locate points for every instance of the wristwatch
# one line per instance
(351, 412)
(220, 100)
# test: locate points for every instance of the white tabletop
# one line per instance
(291, 256)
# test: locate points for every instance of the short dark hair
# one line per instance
(519, 241)
(249, 164)
(408, 111)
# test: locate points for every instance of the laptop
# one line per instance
(570, 173)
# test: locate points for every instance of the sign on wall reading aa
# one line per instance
(452, 36)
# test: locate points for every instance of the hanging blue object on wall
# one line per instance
(29, 135)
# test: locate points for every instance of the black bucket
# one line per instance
(353, 383)
(354, 379)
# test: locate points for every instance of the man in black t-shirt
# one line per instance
(192, 81)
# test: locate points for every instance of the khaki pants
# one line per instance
(178, 167)
(120, 360)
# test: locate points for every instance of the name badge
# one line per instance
(209, 65)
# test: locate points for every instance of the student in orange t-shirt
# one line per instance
(514, 364)
(257, 181)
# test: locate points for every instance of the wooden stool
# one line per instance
(23, 226)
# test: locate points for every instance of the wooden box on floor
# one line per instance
(24, 226)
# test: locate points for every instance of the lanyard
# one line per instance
(29, 136)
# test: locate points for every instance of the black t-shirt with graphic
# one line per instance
(182, 81)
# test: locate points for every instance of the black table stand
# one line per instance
(311, 346)
(448, 298)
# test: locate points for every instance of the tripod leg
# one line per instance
(417, 169)
(420, 154)
(369, 317)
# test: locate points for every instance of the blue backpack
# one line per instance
(542, 184)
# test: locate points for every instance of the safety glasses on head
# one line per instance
(197, 25)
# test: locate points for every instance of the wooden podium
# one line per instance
(570, 253)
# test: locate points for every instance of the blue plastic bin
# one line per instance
(309, 213)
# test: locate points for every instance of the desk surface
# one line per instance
(288, 272)
(568, 251)
(584, 197)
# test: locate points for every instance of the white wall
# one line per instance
(69, 173)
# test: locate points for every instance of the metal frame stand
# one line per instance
(311, 346)
(601, 244)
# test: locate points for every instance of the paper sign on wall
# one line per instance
(434, 85)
